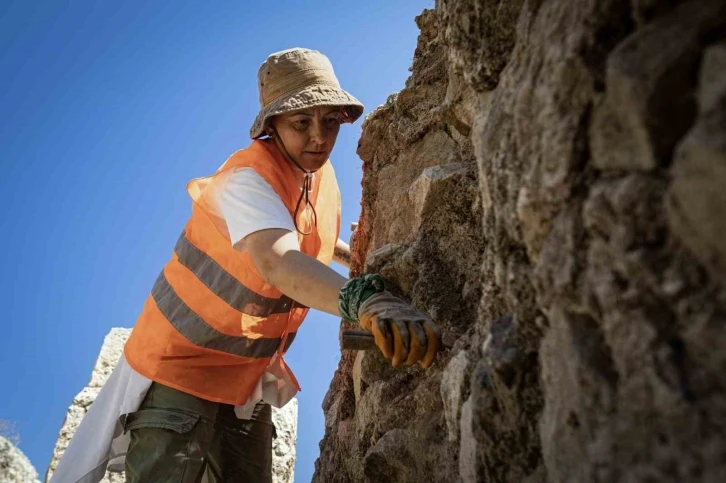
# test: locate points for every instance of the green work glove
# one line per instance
(401, 332)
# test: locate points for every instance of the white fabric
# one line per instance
(248, 204)
(99, 440)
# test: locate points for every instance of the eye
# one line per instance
(301, 123)
(332, 121)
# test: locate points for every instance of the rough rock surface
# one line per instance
(285, 419)
(549, 187)
(14, 465)
(111, 352)
(283, 447)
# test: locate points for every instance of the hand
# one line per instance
(401, 332)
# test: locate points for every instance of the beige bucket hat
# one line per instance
(296, 79)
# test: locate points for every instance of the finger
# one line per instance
(418, 343)
(366, 321)
(401, 342)
(433, 338)
(382, 336)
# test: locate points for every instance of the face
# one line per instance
(309, 135)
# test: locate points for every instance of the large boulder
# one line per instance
(14, 465)
(549, 187)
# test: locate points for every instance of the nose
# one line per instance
(317, 132)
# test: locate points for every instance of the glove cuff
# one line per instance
(355, 292)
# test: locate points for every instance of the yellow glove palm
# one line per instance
(401, 332)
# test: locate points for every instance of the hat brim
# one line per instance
(310, 96)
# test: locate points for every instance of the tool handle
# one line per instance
(358, 340)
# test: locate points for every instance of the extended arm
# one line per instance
(342, 253)
(402, 333)
(278, 258)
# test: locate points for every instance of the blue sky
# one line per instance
(108, 109)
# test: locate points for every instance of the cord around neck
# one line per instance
(307, 186)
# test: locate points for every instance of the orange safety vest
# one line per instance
(212, 325)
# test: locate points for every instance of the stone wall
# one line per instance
(285, 419)
(14, 465)
(549, 187)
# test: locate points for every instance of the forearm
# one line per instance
(307, 281)
(277, 256)
(342, 253)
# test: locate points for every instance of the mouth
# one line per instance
(316, 153)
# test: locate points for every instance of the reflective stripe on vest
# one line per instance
(229, 289)
(225, 286)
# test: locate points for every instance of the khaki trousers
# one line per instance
(180, 438)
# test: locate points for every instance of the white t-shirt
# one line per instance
(248, 204)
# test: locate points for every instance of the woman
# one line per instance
(204, 362)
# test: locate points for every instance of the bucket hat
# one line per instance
(296, 79)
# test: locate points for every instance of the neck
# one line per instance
(303, 177)
(298, 171)
(299, 175)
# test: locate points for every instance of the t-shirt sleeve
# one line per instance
(249, 204)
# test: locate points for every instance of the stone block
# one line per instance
(14, 465)
(712, 77)
(283, 447)
(454, 386)
(480, 37)
(696, 202)
(388, 459)
(111, 350)
(469, 464)
(431, 187)
(649, 102)
(357, 382)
